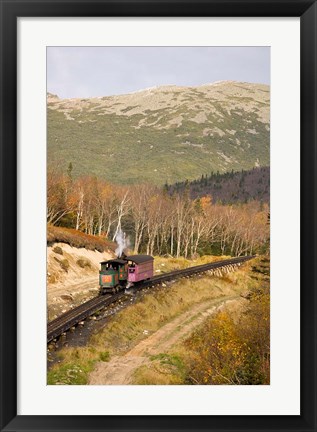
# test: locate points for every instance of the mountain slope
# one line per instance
(162, 134)
(228, 188)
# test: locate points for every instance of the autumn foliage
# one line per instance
(233, 351)
(156, 222)
(76, 239)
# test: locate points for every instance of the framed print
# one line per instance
(87, 159)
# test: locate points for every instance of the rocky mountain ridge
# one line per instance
(166, 133)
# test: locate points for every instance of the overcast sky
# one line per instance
(101, 71)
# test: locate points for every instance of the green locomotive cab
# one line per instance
(113, 275)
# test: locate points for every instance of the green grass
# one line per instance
(70, 374)
(75, 365)
(164, 369)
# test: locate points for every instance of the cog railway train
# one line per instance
(124, 272)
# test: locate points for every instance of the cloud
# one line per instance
(101, 71)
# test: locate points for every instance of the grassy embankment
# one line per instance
(72, 258)
(231, 347)
(155, 309)
(77, 239)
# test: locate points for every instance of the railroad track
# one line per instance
(196, 269)
(69, 319)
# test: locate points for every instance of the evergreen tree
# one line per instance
(70, 170)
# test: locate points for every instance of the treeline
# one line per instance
(228, 188)
(156, 221)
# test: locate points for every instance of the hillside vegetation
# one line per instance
(162, 134)
(126, 328)
(230, 347)
(155, 222)
(227, 188)
(78, 239)
(73, 259)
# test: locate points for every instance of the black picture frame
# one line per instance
(10, 11)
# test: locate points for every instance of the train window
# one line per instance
(131, 270)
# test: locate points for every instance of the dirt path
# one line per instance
(121, 368)
(86, 283)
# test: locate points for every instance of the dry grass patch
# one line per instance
(77, 239)
(129, 326)
(58, 250)
(168, 264)
(83, 262)
(235, 341)
(76, 365)
(64, 263)
(164, 369)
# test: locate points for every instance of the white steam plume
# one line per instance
(122, 242)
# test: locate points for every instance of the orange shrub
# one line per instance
(77, 239)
